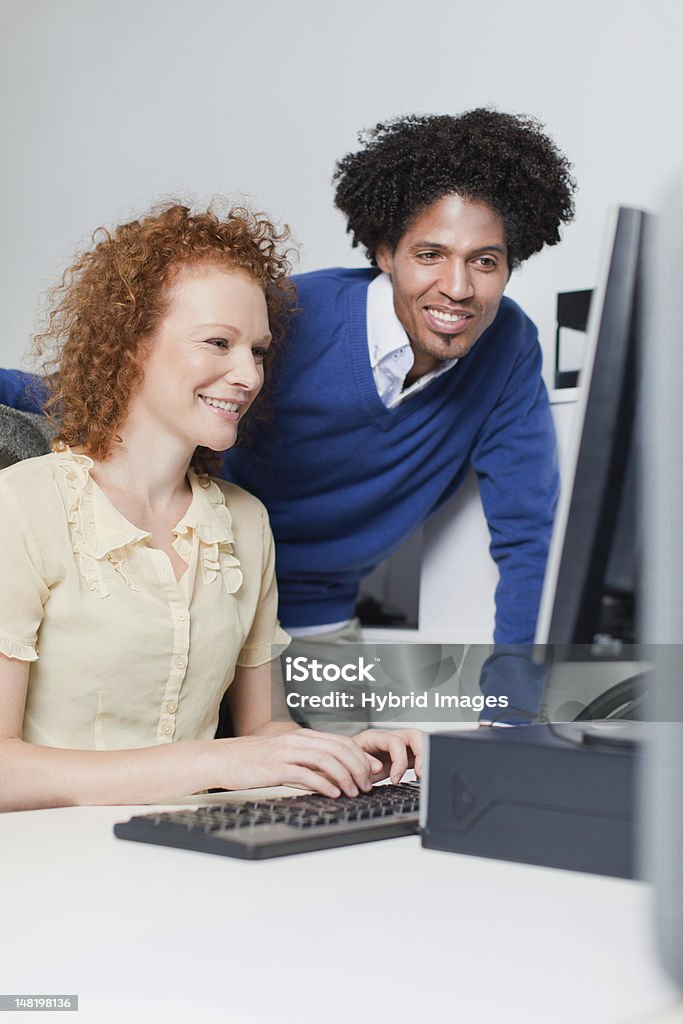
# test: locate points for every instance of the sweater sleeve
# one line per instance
(21, 391)
(516, 463)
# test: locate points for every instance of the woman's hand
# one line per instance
(396, 749)
(321, 761)
(328, 764)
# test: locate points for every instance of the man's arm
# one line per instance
(516, 463)
(21, 390)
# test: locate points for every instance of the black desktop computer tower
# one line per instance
(556, 795)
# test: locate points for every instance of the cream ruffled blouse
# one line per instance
(122, 654)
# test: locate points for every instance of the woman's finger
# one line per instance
(348, 753)
(392, 744)
(297, 775)
(331, 767)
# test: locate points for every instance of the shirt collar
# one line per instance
(207, 514)
(105, 529)
(391, 355)
(386, 335)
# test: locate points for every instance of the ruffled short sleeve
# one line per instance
(23, 590)
(266, 640)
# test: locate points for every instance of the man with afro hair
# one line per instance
(396, 379)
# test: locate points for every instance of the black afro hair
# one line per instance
(505, 160)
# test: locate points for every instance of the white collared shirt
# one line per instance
(391, 356)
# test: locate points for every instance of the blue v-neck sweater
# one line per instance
(345, 480)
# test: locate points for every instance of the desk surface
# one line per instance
(386, 931)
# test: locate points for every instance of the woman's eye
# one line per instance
(260, 354)
(218, 342)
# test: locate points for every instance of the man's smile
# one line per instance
(444, 321)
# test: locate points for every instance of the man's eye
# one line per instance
(428, 256)
(487, 262)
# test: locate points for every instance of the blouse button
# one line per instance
(182, 616)
(167, 730)
(171, 707)
(180, 661)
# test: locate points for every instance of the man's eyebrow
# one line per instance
(490, 248)
(427, 245)
(440, 246)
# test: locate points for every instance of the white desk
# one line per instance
(381, 932)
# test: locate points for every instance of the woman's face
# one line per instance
(204, 365)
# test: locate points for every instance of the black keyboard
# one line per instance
(289, 824)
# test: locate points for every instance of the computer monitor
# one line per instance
(590, 590)
(662, 585)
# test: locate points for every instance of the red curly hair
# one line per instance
(115, 294)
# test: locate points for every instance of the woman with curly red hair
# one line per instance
(137, 589)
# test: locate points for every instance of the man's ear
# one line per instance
(384, 258)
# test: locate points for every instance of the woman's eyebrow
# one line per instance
(230, 327)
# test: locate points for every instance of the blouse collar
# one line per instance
(99, 530)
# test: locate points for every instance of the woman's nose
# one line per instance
(245, 372)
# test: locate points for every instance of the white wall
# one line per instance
(109, 105)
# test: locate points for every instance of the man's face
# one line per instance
(448, 272)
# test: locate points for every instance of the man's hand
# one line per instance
(396, 749)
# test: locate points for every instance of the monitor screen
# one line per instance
(590, 594)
